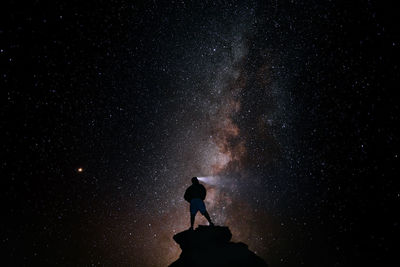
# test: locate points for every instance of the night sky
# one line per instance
(288, 108)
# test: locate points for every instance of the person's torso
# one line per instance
(196, 191)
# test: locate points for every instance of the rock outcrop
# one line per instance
(211, 246)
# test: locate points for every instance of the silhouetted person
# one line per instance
(195, 194)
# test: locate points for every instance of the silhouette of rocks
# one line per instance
(211, 246)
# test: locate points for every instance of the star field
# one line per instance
(109, 109)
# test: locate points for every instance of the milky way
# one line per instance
(206, 139)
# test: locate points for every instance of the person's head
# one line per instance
(194, 180)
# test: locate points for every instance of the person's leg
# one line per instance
(202, 208)
(208, 218)
(193, 211)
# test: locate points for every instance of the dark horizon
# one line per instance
(289, 110)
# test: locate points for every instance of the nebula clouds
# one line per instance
(224, 147)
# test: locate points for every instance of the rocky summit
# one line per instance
(211, 246)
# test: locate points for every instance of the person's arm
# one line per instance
(187, 195)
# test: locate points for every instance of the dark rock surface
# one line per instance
(211, 246)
